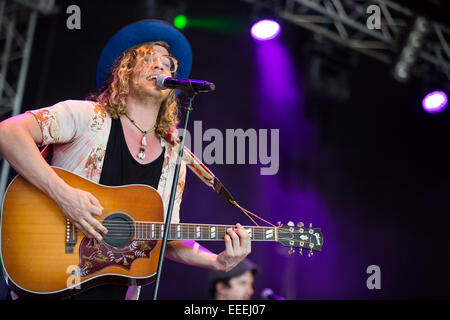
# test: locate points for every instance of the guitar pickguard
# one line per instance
(95, 256)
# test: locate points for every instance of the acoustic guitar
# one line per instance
(45, 256)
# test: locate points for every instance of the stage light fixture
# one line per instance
(265, 30)
(435, 102)
(408, 54)
(180, 21)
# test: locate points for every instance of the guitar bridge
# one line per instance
(71, 236)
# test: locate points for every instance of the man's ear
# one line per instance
(220, 287)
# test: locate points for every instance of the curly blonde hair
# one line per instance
(113, 97)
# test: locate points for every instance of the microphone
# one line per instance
(267, 294)
(164, 82)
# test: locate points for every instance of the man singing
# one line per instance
(122, 136)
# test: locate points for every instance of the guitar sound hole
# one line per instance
(120, 230)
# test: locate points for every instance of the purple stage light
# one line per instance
(265, 30)
(435, 102)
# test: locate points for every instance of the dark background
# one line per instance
(370, 170)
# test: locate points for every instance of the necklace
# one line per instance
(141, 154)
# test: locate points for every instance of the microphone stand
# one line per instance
(188, 106)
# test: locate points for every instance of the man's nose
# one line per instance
(157, 65)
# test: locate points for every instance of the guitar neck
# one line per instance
(201, 232)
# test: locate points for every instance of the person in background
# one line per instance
(236, 284)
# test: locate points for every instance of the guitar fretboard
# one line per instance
(184, 231)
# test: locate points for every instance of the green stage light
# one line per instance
(216, 24)
(180, 21)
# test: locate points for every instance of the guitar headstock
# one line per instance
(300, 237)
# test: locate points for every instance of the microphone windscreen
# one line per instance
(266, 293)
(160, 81)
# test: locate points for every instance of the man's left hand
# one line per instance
(237, 247)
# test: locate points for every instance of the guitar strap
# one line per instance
(200, 170)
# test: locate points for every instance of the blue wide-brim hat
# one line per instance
(138, 33)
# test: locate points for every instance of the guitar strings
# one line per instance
(173, 225)
(123, 227)
(117, 235)
(184, 227)
(120, 237)
(182, 224)
(120, 229)
(144, 227)
(141, 225)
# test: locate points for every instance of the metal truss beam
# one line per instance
(345, 22)
(17, 25)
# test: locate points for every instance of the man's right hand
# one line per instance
(79, 206)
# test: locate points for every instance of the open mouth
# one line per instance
(151, 77)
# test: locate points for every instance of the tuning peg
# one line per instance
(279, 224)
(291, 251)
(310, 253)
(290, 224)
(300, 224)
(300, 251)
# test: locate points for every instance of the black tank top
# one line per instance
(120, 168)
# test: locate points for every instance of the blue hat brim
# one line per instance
(138, 33)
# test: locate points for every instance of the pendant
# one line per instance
(144, 141)
(141, 154)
